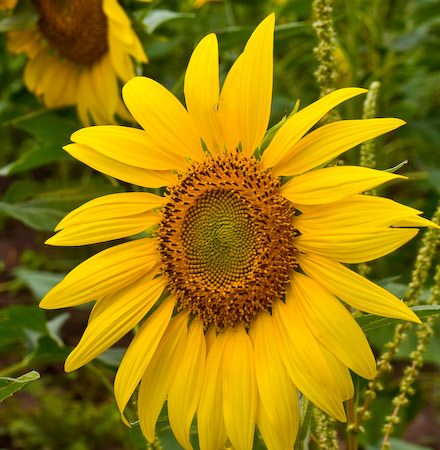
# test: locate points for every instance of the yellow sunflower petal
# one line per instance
(163, 117)
(187, 384)
(103, 273)
(56, 83)
(416, 221)
(246, 96)
(272, 437)
(160, 373)
(120, 170)
(210, 337)
(332, 324)
(210, 422)
(355, 247)
(103, 303)
(121, 60)
(331, 140)
(279, 418)
(111, 206)
(115, 321)
(354, 289)
(106, 87)
(305, 362)
(202, 92)
(239, 389)
(341, 374)
(356, 212)
(104, 230)
(295, 127)
(333, 183)
(115, 12)
(129, 146)
(140, 352)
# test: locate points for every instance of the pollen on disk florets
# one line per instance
(76, 28)
(226, 240)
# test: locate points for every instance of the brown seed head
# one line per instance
(76, 28)
(226, 240)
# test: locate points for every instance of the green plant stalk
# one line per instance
(424, 335)
(368, 149)
(326, 437)
(306, 415)
(326, 74)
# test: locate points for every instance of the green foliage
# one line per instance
(392, 42)
(56, 420)
(9, 386)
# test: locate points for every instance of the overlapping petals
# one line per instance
(233, 378)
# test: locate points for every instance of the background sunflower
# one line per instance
(77, 52)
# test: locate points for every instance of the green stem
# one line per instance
(304, 429)
(351, 419)
(98, 372)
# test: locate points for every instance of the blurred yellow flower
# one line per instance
(7, 5)
(243, 272)
(77, 53)
(200, 3)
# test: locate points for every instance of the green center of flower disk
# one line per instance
(76, 28)
(226, 240)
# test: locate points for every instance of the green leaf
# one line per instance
(54, 327)
(30, 317)
(47, 351)
(39, 282)
(37, 213)
(396, 167)
(157, 17)
(8, 386)
(34, 158)
(46, 210)
(48, 128)
(112, 356)
(369, 322)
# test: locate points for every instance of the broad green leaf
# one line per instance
(157, 17)
(54, 327)
(48, 128)
(47, 351)
(37, 213)
(46, 210)
(8, 386)
(369, 322)
(38, 282)
(24, 316)
(35, 158)
(112, 356)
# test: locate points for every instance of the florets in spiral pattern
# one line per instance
(226, 240)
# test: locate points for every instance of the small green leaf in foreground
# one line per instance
(9, 386)
(369, 322)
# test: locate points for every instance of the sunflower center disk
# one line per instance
(76, 28)
(226, 240)
(218, 238)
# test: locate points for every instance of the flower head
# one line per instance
(245, 267)
(77, 52)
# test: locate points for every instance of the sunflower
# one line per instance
(241, 282)
(7, 5)
(77, 52)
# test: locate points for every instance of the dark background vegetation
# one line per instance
(395, 42)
